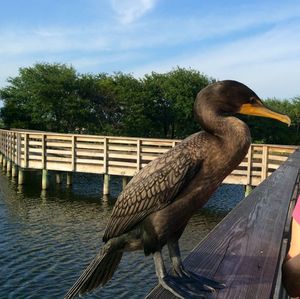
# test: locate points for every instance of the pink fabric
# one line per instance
(296, 212)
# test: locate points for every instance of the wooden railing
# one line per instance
(246, 249)
(120, 155)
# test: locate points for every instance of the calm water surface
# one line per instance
(46, 239)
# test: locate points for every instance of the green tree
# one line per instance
(44, 97)
(170, 98)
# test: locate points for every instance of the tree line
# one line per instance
(55, 97)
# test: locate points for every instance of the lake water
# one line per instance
(47, 238)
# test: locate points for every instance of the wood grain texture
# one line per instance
(243, 251)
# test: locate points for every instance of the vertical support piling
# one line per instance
(45, 179)
(20, 176)
(4, 164)
(8, 167)
(248, 190)
(106, 178)
(14, 170)
(125, 180)
(69, 178)
(58, 178)
(1, 159)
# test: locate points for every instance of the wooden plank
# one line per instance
(59, 144)
(131, 156)
(89, 161)
(87, 153)
(35, 151)
(122, 141)
(59, 152)
(58, 138)
(122, 164)
(58, 166)
(81, 138)
(277, 158)
(89, 168)
(154, 150)
(89, 146)
(35, 143)
(148, 157)
(169, 144)
(35, 136)
(243, 251)
(59, 159)
(121, 148)
(121, 171)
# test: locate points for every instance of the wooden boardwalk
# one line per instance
(122, 156)
(246, 248)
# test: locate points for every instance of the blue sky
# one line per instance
(256, 42)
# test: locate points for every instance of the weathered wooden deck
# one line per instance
(122, 156)
(246, 249)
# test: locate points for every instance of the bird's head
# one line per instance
(230, 97)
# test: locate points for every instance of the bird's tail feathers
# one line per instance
(97, 274)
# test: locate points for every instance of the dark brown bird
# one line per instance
(156, 205)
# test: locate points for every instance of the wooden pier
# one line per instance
(109, 155)
(246, 249)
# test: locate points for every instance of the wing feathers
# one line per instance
(151, 190)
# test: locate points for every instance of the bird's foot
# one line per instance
(182, 288)
(201, 282)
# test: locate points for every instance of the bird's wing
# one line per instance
(152, 189)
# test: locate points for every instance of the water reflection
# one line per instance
(47, 238)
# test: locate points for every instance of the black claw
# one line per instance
(185, 288)
(206, 281)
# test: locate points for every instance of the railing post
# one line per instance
(105, 155)
(248, 187)
(106, 177)
(19, 148)
(26, 150)
(138, 153)
(43, 151)
(45, 177)
(73, 167)
(264, 166)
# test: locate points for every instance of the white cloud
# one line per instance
(269, 62)
(130, 10)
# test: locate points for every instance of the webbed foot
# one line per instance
(182, 288)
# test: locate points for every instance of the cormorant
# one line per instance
(156, 205)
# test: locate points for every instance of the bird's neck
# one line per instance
(233, 132)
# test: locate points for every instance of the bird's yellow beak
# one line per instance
(258, 109)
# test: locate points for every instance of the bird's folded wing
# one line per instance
(152, 189)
